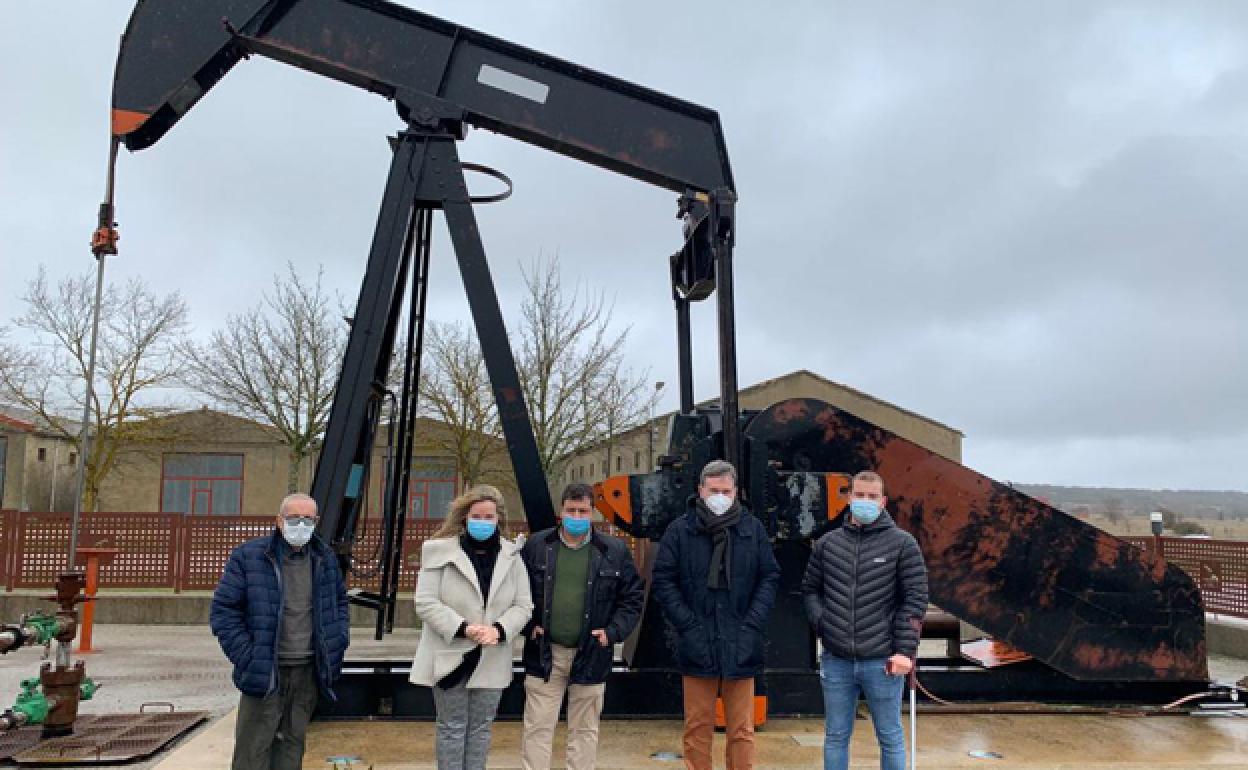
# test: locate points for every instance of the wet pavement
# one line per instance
(183, 665)
(1033, 742)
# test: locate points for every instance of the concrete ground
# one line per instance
(183, 665)
(1032, 742)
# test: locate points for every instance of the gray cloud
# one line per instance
(1022, 219)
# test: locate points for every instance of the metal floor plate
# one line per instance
(101, 738)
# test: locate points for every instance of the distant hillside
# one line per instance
(1192, 503)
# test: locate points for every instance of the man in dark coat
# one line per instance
(280, 615)
(715, 579)
(587, 596)
(865, 590)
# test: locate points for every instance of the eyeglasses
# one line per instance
(303, 521)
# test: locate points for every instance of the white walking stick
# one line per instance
(914, 725)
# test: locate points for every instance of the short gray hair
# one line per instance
(716, 468)
(296, 497)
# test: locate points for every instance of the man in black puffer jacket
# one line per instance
(865, 590)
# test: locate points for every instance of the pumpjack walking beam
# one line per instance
(443, 77)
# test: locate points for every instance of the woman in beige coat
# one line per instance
(472, 597)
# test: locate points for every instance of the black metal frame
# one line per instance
(425, 175)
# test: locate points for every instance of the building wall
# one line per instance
(929, 434)
(135, 484)
(32, 484)
(429, 450)
(631, 451)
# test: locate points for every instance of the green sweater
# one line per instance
(567, 611)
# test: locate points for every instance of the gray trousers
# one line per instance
(270, 731)
(464, 721)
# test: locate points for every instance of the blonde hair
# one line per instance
(457, 513)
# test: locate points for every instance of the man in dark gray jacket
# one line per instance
(865, 590)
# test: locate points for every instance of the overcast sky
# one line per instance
(1025, 220)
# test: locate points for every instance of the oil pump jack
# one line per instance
(1100, 618)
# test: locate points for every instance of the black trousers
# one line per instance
(270, 731)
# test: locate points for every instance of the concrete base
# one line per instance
(1057, 742)
(1227, 636)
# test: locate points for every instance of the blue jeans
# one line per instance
(842, 679)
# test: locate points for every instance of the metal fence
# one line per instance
(177, 551)
(1219, 567)
(188, 553)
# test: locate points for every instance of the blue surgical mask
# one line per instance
(481, 529)
(576, 527)
(865, 511)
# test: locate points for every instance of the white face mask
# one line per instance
(297, 533)
(718, 503)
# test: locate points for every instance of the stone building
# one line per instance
(38, 465)
(636, 450)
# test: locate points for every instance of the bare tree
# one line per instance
(277, 363)
(455, 390)
(624, 402)
(570, 359)
(137, 354)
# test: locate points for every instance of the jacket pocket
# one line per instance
(694, 648)
(749, 648)
(446, 661)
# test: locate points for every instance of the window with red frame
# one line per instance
(433, 487)
(201, 483)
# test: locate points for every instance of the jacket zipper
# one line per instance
(547, 599)
(277, 638)
(317, 629)
(853, 599)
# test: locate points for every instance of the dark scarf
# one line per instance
(483, 554)
(720, 572)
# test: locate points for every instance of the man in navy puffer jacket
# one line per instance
(280, 615)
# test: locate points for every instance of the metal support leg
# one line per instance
(492, 332)
(338, 485)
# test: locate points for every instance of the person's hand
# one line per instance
(536, 632)
(477, 633)
(898, 665)
(601, 636)
(488, 636)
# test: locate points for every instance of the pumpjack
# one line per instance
(1099, 618)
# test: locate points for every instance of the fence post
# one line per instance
(10, 548)
(181, 549)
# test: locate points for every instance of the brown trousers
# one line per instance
(738, 695)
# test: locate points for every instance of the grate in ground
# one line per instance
(121, 738)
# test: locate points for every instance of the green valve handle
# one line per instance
(46, 627)
(31, 702)
(87, 689)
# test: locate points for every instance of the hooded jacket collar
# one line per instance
(442, 551)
